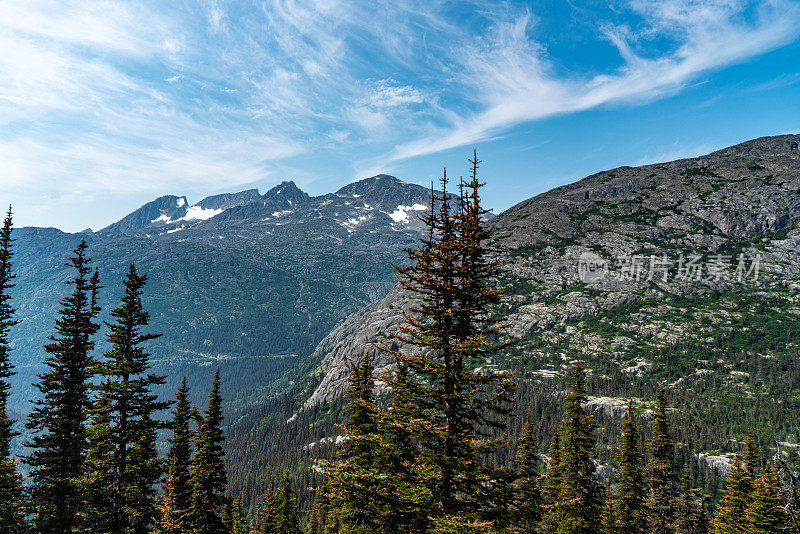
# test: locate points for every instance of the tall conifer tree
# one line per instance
(690, 516)
(730, 516)
(661, 470)
(286, 514)
(12, 511)
(765, 514)
(177, 501)
(528, 498)
(264, 520)
(580, 497)
(208, 468)
(631, 510)
(406, 495)
(609, 509)
(353, 479)
(171, 518)
(552, 484)
(448, 333)
(122, 462)
(58, 419)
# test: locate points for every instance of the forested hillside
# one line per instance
(719, 337)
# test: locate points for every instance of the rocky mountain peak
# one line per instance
(168, 207)
(230, 200)
(285, 195)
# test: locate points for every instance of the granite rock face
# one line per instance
(623, 239)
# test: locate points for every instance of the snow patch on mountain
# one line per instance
(199, 213)
(401, 213)
(352, 222)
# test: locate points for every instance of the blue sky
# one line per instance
(105, 105)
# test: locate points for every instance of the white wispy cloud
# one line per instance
(516, 83)
(140, 97)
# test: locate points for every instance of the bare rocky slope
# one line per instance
(683, 273)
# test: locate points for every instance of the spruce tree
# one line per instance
(58, 420)
(730, 516)
(176, 509)
(690, 516)
(765, 514)
(264, 520)
(353, 479)
(122, 462)
(580, 497)
(609, 509)
(12, 509)
(552, 484)
(286, 514)
(631, 510)
(661, 470)
(208, 477)
(171, 518)
(447, 336)
(239, 521)
(233, 516)
(750, 456)
(405, 495)
(527, 496)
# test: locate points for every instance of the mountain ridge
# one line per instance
(257, 280)
(710, 203)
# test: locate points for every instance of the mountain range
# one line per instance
(234, 280)
(681, 274)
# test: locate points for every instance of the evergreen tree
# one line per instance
(317, 518)
(446, 336)
(527, 496)
(353, 479)
(233, 516)
(12, 509)
(552, 484)
(609, 510)
(690, 516)
(208, 478)
(765, 514)
(316, 521)
(661, 470)
(577, 510)
(264, 522)
(176, 509)
(171, 518)
(750, 457)
(286, 514)
(58, 419)
(730, 517)
(405, 495)
(122, 462)
(631, 509)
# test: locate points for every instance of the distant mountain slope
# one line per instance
(234, 277)
(647, 318)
